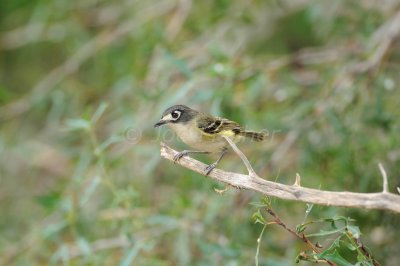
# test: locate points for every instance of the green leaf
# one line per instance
(336, 258)
(267, 202)
(78, 124)
(364, 260)
(84, 246)
(5, 94)
(335, 219)
(62, 254)
(335, 244)
(89, 190)
(327, 233)
(131, 255)
(179, 95)
(182, 248)
(333, 225)
(258, 204)
(50, 200)
(309, 208)
(349, 245)
(165, 220)
(300, 228)
(354, 231)
(258, 218)
(111, 140)
(53, 229)
(180, 64)
(99, 112)
(332, 221)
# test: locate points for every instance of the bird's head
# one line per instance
(176, 114)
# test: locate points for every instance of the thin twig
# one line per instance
(246, 162)
(385, 179)
(259, 244)
(302, 237)
(298, 180)
(365, 251)
(382, 201)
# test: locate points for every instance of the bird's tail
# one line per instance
(253, 135)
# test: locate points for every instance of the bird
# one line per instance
(204, 132)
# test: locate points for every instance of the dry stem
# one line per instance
(301, 236)
(385, 179)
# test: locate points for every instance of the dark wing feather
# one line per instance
(212, 125)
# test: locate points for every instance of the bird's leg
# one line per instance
(184, 153)
(213, 165)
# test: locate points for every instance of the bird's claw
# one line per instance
(179, 155)
(210, 168)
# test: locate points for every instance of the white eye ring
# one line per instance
(175, 115)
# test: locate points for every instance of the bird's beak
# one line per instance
(160, 123)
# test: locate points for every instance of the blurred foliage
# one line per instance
(336, 244)
(82, 83)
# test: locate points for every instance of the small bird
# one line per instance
(204, 132)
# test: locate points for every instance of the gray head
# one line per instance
(176, 114)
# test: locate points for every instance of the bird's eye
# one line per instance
(175, 114)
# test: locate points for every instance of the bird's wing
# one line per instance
(214, 125)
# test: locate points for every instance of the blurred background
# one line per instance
(83, 82)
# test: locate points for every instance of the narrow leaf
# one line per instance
(131, 255)
(258, 218)
(77, 124)
(89, 190)
(354, 231)
(326, 233)
(84, 246)
(99, 112)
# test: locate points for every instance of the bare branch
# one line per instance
(385, 179)
(383, 201)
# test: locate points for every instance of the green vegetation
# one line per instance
(83, 82)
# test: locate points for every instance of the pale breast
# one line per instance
(192, 136)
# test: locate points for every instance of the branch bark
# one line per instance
(381, 200)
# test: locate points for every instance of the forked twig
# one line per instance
(246, 162)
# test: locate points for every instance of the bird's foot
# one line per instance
(179, 155)
(210, 168)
